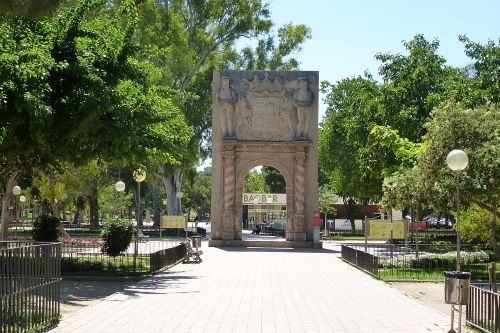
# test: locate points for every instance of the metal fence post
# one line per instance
(366, 233)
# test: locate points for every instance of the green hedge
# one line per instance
(430, 260)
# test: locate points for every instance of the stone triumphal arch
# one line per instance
(264, 118)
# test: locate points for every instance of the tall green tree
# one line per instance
(326, 199)
(412, 85)
(485, 84)
(476, 131)
(274, 179)
(73, 90)
(199, 191)
(255, 182)
(353, 107)
(367, 120)
(189, 39)
(274, 52)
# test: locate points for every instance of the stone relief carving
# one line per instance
(264, 110)
(227, 99)
(265, 107)
(303, 100)
(286, 113)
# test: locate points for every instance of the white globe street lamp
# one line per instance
(22, 199)
(120, 186)
(139, 176)
(16, 190)
(457, 161)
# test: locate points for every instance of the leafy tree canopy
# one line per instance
(274, 179)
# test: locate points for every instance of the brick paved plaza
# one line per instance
(258, 290)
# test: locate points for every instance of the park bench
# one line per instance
(192, 253)
(142, 237)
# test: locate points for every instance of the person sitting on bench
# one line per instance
(256, 231)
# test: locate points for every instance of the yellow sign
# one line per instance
(381, 229)
(173, 222)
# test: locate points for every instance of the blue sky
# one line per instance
(346, 34)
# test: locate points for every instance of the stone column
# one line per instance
(228, 213)
(300, 196)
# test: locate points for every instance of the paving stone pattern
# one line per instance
(258, 290)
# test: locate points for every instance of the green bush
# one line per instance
(46, 228)
(116, 235)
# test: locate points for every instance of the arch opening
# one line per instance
(263, 204)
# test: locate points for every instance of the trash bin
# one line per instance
(456, 287)
(196, 241)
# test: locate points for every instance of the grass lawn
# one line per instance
(342, 237)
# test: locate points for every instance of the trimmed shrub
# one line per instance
(436, 260)
(117, 236)
(46, 228)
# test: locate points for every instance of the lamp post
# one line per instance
(457, 160)
(165, 203)
(120, 187)
(139, 176)
(22, 199)
(16, 190)
(269, 198)
(178, 196)
(255, 201)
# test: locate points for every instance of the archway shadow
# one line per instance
(277, 249)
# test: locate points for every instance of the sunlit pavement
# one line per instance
(259, 290)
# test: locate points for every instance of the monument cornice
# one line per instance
(266, 146)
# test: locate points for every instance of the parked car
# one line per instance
(436, 221)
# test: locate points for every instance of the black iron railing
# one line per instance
(167, 257)
(483, 311)
(30, 274)
(86, 257)
(361, 259)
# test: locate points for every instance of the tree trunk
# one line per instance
(157, 202)
(351, 208)
(94, 208)
(493, 231)
(76, 219)
(172, 185)
(64, 213)
(138, 206)
(4, 227)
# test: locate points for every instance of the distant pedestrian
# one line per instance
(256, 231)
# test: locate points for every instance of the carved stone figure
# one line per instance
(245, 116)
(302, 101)
(227, 99)
(285, 115)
